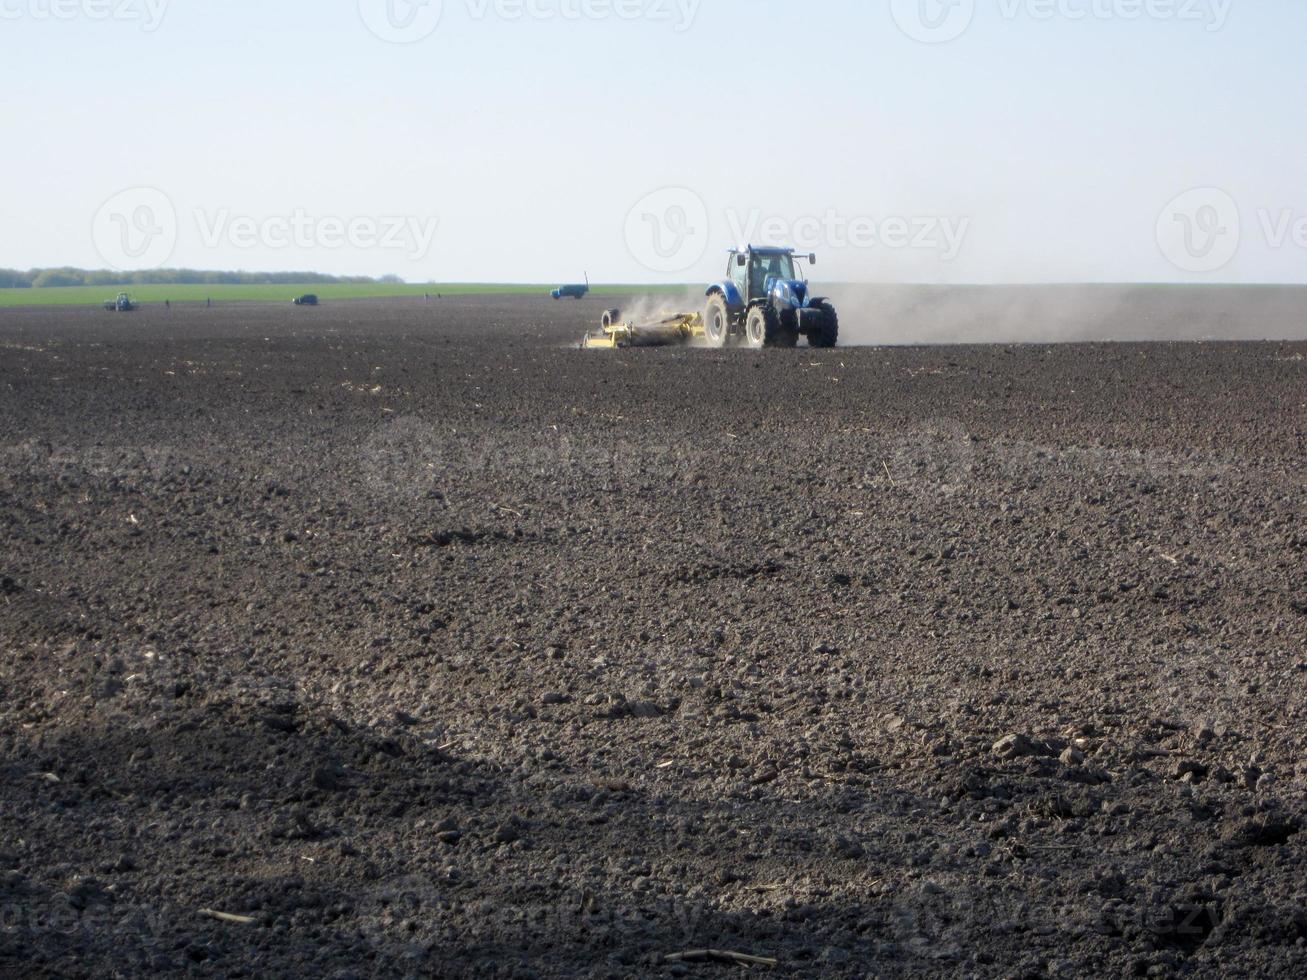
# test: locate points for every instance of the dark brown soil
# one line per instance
(435, 647)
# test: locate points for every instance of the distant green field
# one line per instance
(95, 295)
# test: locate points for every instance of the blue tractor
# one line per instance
(763, 302)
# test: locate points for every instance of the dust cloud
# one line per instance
(916, 314)
(652, 307)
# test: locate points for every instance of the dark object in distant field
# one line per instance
(573, 291)
(123, 304)
(308, 299)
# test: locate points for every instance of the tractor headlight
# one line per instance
(789, 294)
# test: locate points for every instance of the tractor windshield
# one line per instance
(771, 267)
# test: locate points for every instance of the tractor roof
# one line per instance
(760, 250)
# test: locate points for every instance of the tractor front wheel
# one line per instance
(716, 321)
(766, 327)
(761, 327)
(788, 334)
(827, 333)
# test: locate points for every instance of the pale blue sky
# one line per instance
(1050, 146)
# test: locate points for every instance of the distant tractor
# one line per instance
(574, 291)
(123, 304)
(762, 302)
(308, 299)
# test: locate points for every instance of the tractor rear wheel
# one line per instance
(716, 321)
(827, 334)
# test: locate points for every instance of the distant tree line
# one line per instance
(44, 278)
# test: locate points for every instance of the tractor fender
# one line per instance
(729, 292)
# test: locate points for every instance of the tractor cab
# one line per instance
(755, 270)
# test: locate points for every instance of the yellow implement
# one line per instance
(673, 329)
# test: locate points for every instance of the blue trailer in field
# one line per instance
(574, 291)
